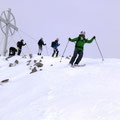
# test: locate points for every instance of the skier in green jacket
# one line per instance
(79, 47)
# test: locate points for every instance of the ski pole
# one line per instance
(47, 50)
(64, 52)
(28, 49)
(99, 50)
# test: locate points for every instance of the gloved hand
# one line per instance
(94, 37)
(45, 43)
(69, 39)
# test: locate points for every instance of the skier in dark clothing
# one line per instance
(79, 47)
(40, 44)
(12, 51)
(19, 45)
(54, 45)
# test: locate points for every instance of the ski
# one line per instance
(81, 65)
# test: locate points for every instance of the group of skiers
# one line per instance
(78, 51)
(54, 45)
(13, 50)
(20, 44)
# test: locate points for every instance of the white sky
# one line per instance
(62, 19)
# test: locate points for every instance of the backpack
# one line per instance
(18, 43)
(53, 44)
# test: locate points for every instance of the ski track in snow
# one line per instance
(60, 92)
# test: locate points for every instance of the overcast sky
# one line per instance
(62, 19)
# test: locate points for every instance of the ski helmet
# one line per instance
(82, 33)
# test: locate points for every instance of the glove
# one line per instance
(44, 44)
(94, 37)
(69, 39)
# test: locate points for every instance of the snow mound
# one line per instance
(58, 92)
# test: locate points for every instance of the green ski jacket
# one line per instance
(80, 41)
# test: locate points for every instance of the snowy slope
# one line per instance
(60, 92)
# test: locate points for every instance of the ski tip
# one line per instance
(81, 65)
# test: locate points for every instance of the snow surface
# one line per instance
(58, 92)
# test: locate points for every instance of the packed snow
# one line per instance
(57, 91)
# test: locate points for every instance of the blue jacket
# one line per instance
(56, 45)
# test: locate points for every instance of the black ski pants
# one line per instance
(19, 51)
(77, 56)
(55, 50)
